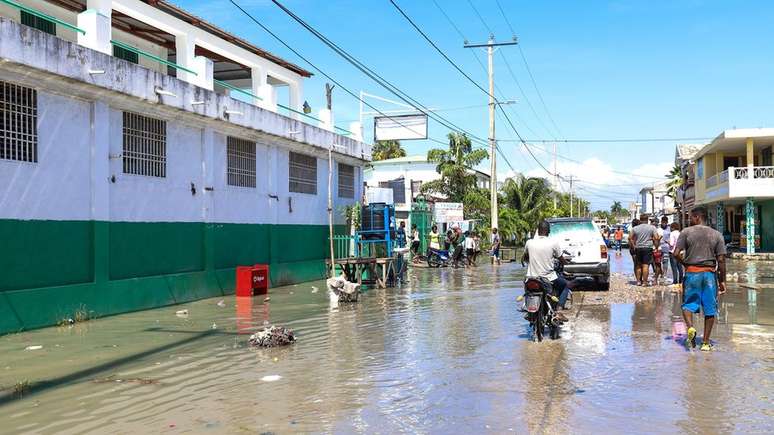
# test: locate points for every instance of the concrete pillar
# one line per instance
(262, 89)
(357, 131)
(720, 217)
(326, 119)
(750, 221)
(296, 98)
(750, 159)
(95, 20)
(202, 67)
(101, 177)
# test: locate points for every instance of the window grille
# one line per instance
(240, 155)
(38, 23)
(303, 173)
(128, 55)
(346, 181)
(145, 145)
(18, 123)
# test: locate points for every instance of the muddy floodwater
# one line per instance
(447, 353)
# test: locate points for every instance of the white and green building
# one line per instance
(145, 153)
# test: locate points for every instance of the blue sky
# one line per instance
(606, 70)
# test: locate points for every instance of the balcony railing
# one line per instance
(712, 181)
(723, 177)
(763, 172)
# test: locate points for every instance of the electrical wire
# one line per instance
(621, 140)
(489, 29)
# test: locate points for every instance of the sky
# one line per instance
(605, 70)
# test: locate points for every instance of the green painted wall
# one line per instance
(51, 269)
(766, 220)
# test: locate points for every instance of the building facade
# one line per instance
(405, 176)
(132, 178)
(734, 179)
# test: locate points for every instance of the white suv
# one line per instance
(583, 240)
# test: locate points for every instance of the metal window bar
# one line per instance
(240, 162)
(302, 173)
(150, 56)
(144, 145)
(346, 181)
(18, 123)
(36, 22)
(39, 14)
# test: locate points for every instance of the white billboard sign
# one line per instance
(448, 212)
(403, 127)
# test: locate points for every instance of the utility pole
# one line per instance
(490, 48)
(571, 195)
(556, 178)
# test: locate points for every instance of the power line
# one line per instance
(621, 140)
(540, 95)
(344, 88)
(448, 59)
(524, 94)
(489, 29)
(379, 79)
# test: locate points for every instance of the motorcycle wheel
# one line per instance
(538, 325)
(433, 261)
(554, 331)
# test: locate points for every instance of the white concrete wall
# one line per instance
(58, 186)
(70, 181)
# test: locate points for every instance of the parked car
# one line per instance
(582, 238)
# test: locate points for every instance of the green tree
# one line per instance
(387, 149)
(454, 165)
(617, 209)
(532, 199)
(675, 176)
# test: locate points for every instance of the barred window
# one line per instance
(346, 181)
(303, 173)
(39, 23)
(240, 155)
(18, 123)
(145, 145)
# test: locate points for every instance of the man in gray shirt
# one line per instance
(702, 250)
(644, 238)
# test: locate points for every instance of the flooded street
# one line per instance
(449, 353)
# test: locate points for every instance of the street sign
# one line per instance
(402, 127)
(447, 212)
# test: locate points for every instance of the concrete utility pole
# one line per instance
(556, 178)
(571, 195)
(490, 48)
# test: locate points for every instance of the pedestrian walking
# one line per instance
(633, 251)
(414, 239)
(469, 248)
(677, 267)
(400, 235)
(644, 238)
(664, 234)
(495, 246)
(618, 240)
(476, 247)
(435, 238)
(702, 250)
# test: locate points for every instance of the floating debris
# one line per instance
(272, 336)
(271, 378)
(181, 313)
(314, 289)
(34, 347)
(221, 303)
(266, 299)
(345, 291)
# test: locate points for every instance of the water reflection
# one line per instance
(447, 353)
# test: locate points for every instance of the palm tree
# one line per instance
(531, 198)
(387, 149)
(616, 209)
(454, 165)
(675, 176)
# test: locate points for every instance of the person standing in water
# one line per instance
(495, 247)
(705, 274)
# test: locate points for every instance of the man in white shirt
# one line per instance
(541, 252)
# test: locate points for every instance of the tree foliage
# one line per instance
(455, 167)
(387, 149)
(675, 176)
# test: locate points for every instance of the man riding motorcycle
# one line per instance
(541, 252)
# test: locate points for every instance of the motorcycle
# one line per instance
(539, 304)
(438, 257)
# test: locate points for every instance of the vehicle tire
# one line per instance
(433, 260)
(539, 326)
(554, 331)
(603, 284)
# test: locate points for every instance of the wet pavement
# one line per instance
(448, 353)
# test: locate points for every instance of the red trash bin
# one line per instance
(252, 280)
